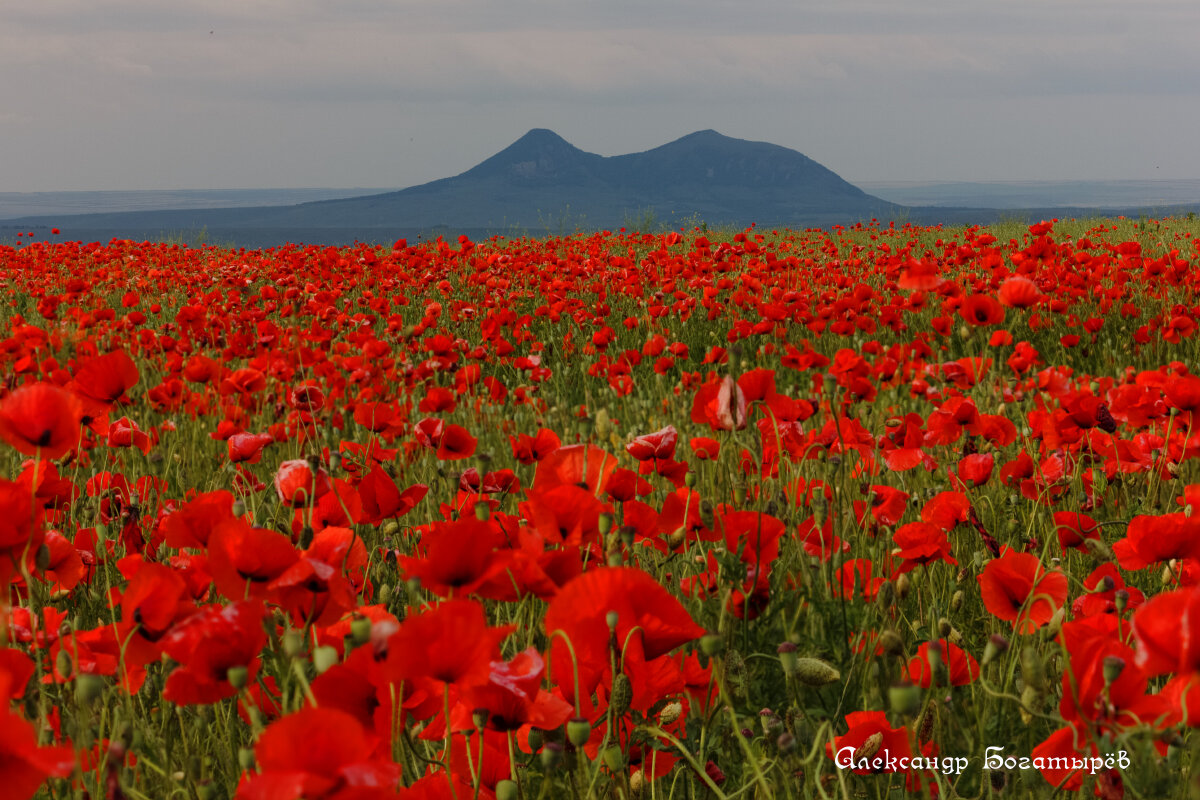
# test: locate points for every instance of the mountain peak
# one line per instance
(539, 155)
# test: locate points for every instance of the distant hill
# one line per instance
(540, 183)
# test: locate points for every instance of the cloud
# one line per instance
(242, 82)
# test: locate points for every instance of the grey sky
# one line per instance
(145, 94)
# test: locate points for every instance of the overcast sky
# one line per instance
(147, 94)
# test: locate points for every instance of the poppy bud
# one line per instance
(1113, 667)
(904, 698)
(63, 665)
(1032, 670)
(1099, 550)
(385, 593)
(944, 627)
(551, 755)
(886, 596)
(614, 759)
(670, 713)
(786, 742)
(42, 559)
(815, 672)
(246, 758)
(622, 694)
(306, 537)
(956, 600)
(506, 790)
(626, 533)
(360, 631)
(324, 657)
(238, 676)
(902, 585)
(925, 723)
(710, 644)
(88, 687)
(677, 537)
(579, 730)
(1031, 701)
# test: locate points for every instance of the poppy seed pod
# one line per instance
(506, 790)
(579, 730)
(815, 672)
(552, 753)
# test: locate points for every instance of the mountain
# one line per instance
(542, 182)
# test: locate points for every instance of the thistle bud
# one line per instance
(815, 672)
(997, 645)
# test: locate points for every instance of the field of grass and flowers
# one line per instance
(870, 512)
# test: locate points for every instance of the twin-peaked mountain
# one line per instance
(542, 182)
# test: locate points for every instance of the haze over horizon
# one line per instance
(219, 94)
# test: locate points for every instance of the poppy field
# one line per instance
(878, 511)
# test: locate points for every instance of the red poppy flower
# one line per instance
(921, 543)
(101, 381)
(529, 449)
(457, 557)
(41, 418)
(451, 643)
(582, 465)
(976, 469)
(1018, 292)
(1016, 587)
(318, 753)
(382, 499)
(296, 484)
(513, 697)
(961, 667)
(20, 529)
(721, 404)
(192, 524)
(244, 560)
(456, 443)
(1154, 539)
(24, 765)
(207, 645)
(981, 309)
(248, 447)
(1166, 632)
(653, 446)
(852, 751)
(1073, 529)
(581, 611)
(125, 433)
(704, 448)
